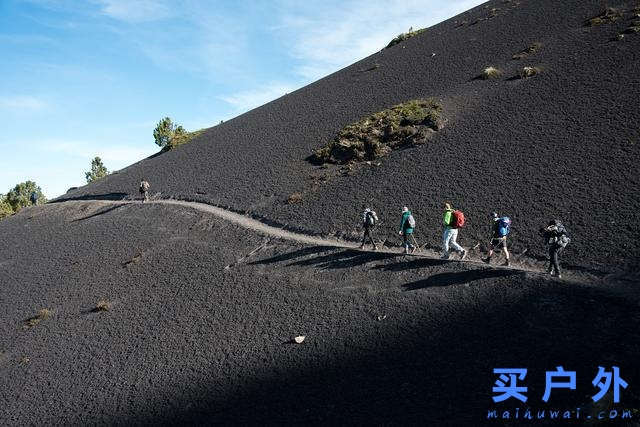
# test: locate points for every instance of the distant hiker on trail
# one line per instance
(557, 238)
(500, 227)
(369, 221)
(34, 198)
(407, 225)
(453, 220)
(144, 190)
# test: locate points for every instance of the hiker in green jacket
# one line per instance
(407, 225)
(450, 234)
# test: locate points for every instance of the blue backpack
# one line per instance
(504, 226)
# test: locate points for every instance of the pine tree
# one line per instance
(98, 170)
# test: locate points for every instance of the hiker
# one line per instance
(557, 238)
(407, 225)
(453, 220)
(369, 221)
(144, 190)
(500, 227)
(34, 198)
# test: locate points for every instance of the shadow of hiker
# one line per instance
(459, 278)
(347, 258)
(293, 255)
(410, 265)
(91, 197)
(102, 212)
(336, 258)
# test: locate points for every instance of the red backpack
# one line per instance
(457, 219)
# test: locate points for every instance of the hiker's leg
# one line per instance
(445, 242)
(553, 260)
(454, 238)
(370, 234)
(405, 242)
(504, 249)
(364, 237)
(556, 260)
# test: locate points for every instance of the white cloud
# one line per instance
(118, 155)
(135, 10)
(325, 40)
(246, 100)
(22, 103)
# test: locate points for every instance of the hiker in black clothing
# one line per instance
(369, 220)
(557, 238)
(34, 198)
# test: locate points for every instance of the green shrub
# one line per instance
(491, 73)
(405, 36)
(376, 135)
(98, 170)
(633, 28)
(169, 135)
(5, 208)
(529, 72)
(607, 16)
(294, 198)
(531, 49)
(20, 195)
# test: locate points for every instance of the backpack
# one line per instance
(563, 240)
(412, 221)
(457, 219)
(504, 226)
(370, 219)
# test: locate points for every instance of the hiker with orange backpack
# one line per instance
(453, 220)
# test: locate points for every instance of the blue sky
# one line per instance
(92, 78)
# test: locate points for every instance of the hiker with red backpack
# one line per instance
(369, 221)
(407, 225)
(453, 220)
(500, 227)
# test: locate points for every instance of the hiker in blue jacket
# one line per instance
(500, 227)
(407, 225)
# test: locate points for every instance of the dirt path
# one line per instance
(255, 225)
(275, 232)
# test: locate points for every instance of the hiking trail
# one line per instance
(276, 232)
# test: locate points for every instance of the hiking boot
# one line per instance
(406, 251)
(486, 260)
(506, 263)
(444, 256)
(463, 255)
(361, 247)
(412, 250)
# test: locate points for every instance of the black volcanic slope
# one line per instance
(561, 144)
(203, 313)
